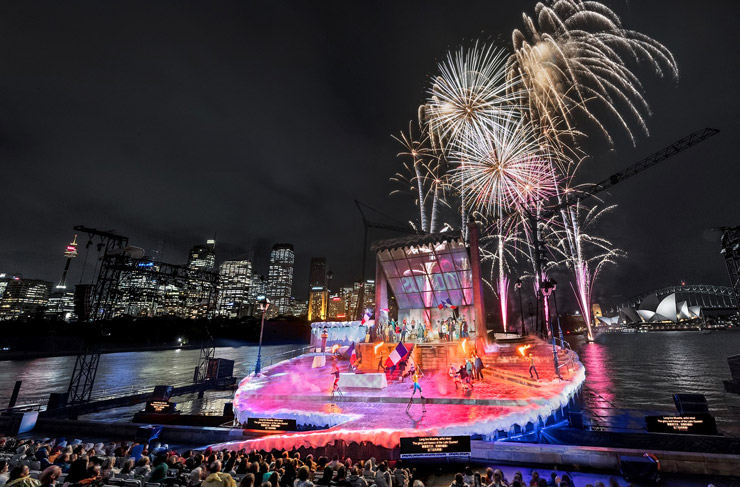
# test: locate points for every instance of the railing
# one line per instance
(25, 408)
(279, 357)
(564, 346)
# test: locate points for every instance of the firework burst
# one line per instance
(470, 96)
(503, 170)
(573, 56)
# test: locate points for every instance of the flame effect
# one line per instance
(523, 349)
(376, 347)
(334, 348)
(463, 345)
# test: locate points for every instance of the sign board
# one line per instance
(160, 407)
(271, 424)
(435, 447)
(698, 424)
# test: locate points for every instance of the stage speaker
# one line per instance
(575, 420)
(229, 409)
(636, 469)
(57, 400)
(689, 404)
(162, 393)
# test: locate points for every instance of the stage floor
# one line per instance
(506, 396)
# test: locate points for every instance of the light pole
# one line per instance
(546, 289)
(264, 303)
(518, 287)
(555, 298)
(329, 277)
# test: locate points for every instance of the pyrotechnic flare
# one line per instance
(574, 245)
(573, 56)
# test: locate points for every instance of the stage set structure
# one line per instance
(355, 384)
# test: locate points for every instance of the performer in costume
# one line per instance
(335, 373)
(416, 386)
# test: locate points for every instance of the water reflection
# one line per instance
(644, 370)
(43, 376)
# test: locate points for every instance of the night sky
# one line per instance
(172, 122)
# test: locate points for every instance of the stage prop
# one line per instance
(340, 333)
(366, 381)
(433, 278)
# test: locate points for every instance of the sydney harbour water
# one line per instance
(635, 371)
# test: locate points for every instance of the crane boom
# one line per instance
(653, 159)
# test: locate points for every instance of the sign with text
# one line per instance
(271, 424)
(160, 407)
(698, 424)
(435, 447)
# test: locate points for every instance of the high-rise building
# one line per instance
(318, 295)
(318, 301)
(235, 283)
(24, 298)
(203, 257)
(61, 305)
(336, 309)
(4, 280)
(199, 296)
(280, 277)
(317, 272)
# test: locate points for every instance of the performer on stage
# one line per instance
(335, 373)
(416, 386)
(532, 368)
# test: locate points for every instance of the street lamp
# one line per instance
(329, 277)
(546, 287)
(555, 298)
(264, 303)
(518, 287)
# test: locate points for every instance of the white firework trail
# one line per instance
(583, 254)
(423, 174)
(467, 99)
(575, 56)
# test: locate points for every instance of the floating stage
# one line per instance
(372, 406)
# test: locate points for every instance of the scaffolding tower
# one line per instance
(731, 252)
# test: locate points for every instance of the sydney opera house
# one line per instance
(655, 310)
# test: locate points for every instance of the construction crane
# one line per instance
(653, 159)
(382, 226)
(574, 198)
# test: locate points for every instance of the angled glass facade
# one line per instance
(427, 275)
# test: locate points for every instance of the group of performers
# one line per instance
(452, 328)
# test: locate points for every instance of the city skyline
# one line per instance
(167, 136)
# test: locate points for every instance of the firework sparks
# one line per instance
(573, 245)
(576, 54)
(502, 170)
(470, 96)
(424, 176)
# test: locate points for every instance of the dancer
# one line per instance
(465, 378)
(335, 373)
(532, 368)
(454, 376)
(421, 395)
